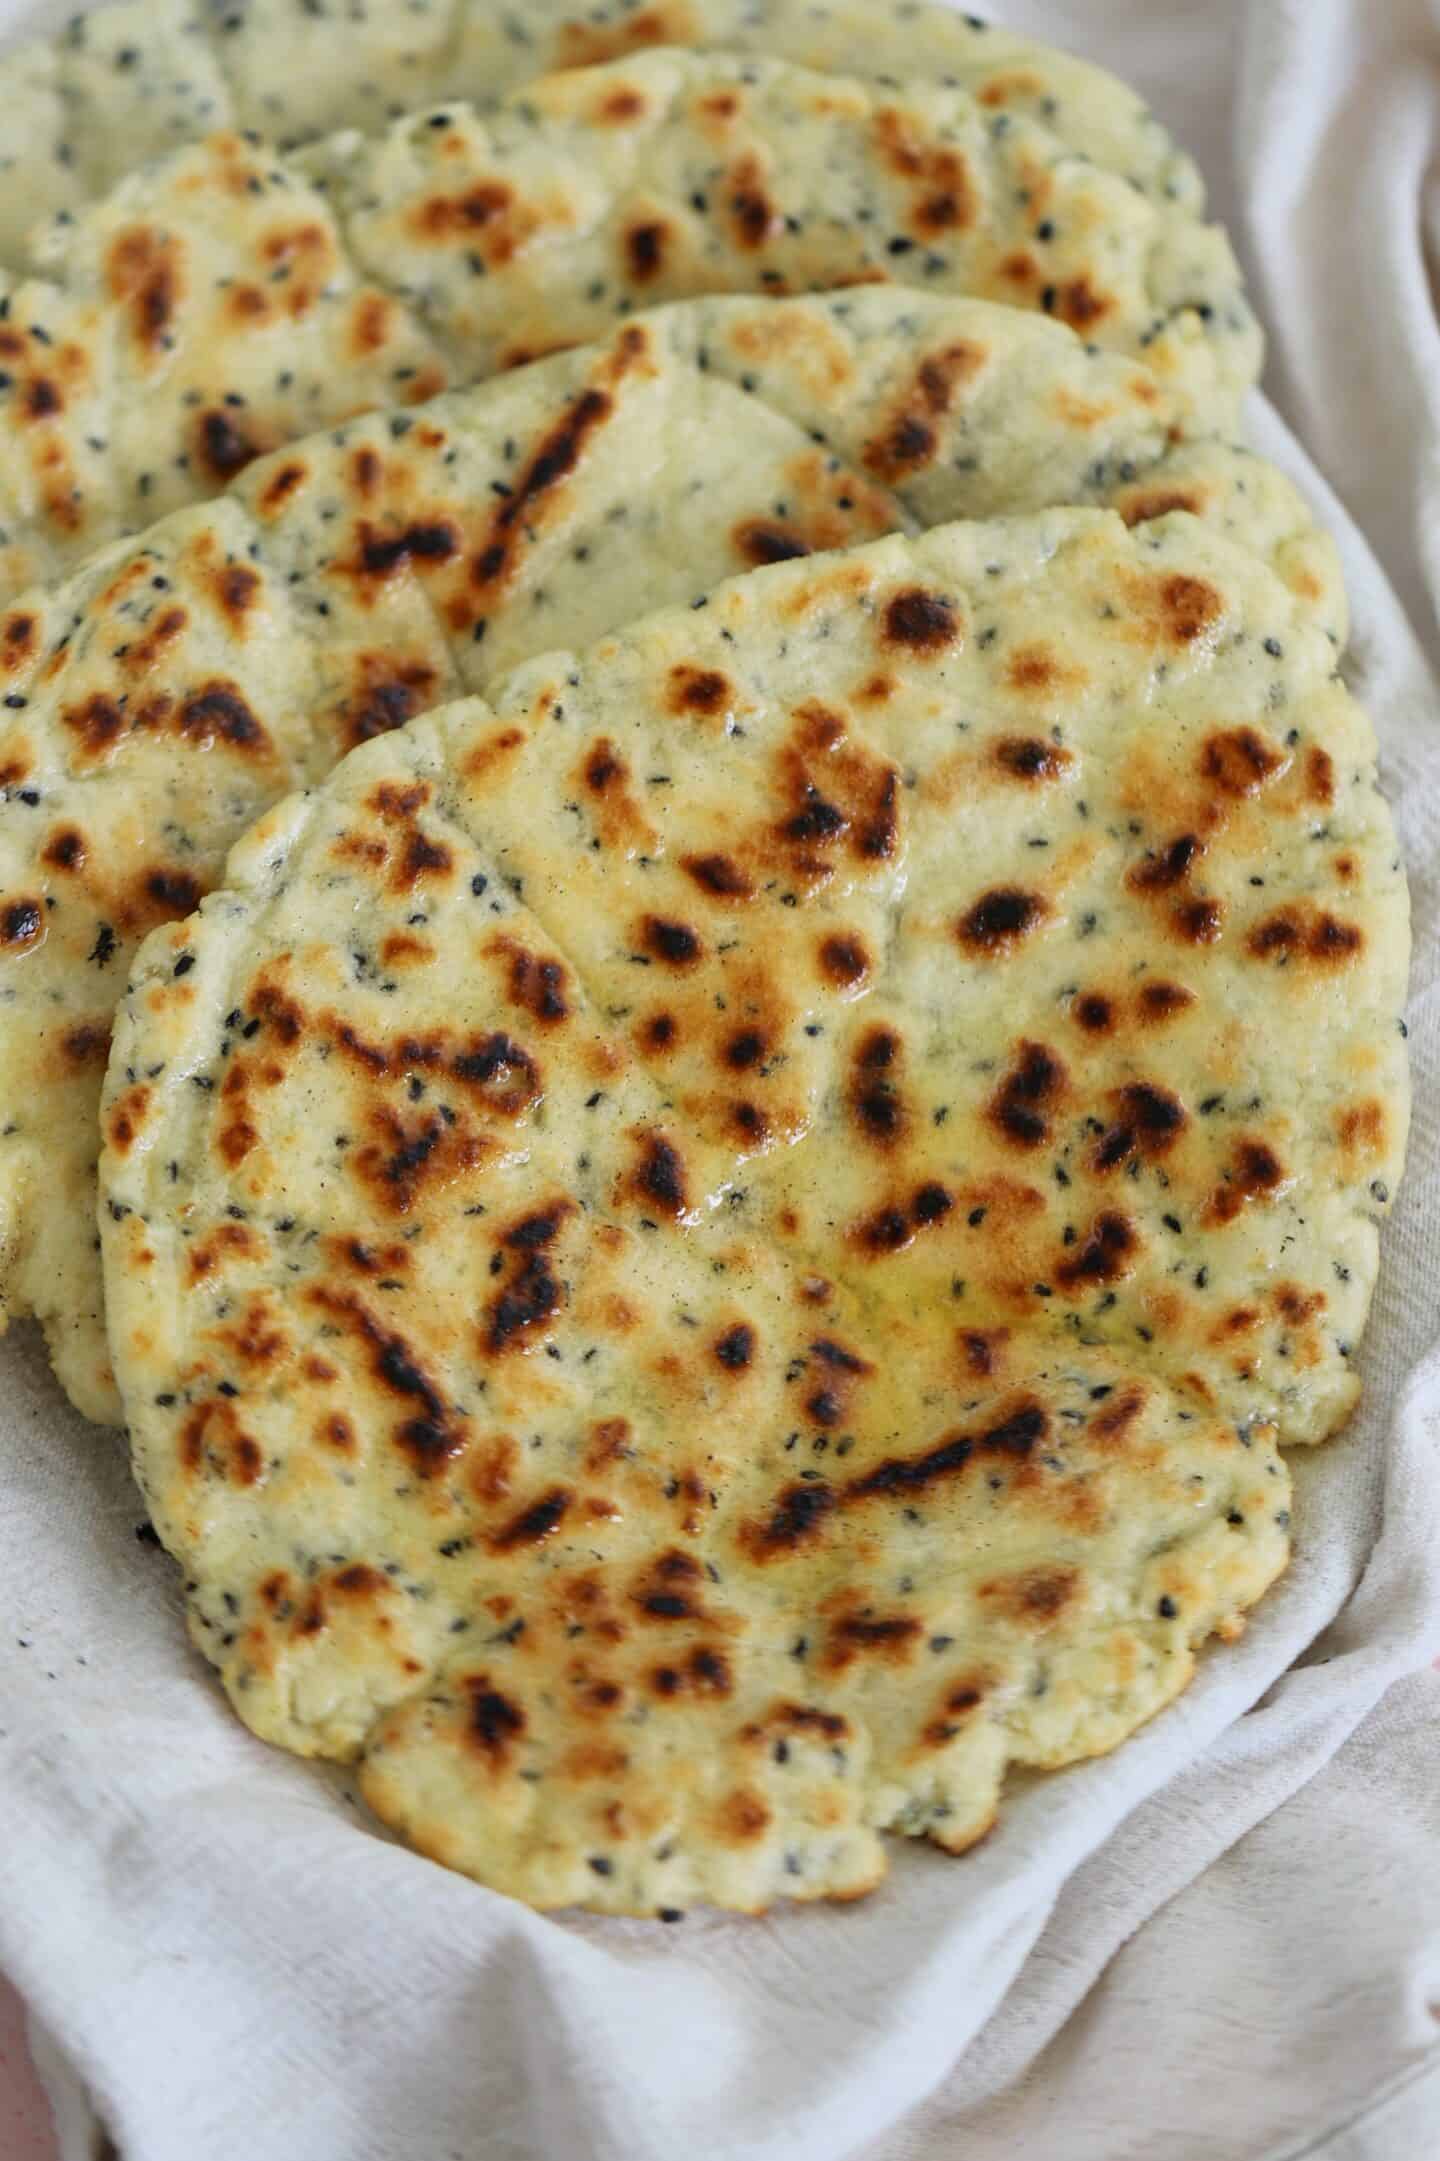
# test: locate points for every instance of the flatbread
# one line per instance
(126, 83)
(218, 304)
(962, 410)
(203, 312)
(590, 193)
(706, 1254)
(159, 699)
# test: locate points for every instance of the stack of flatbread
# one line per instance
(701, 969)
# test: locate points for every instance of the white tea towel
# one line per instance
(1220, 1944)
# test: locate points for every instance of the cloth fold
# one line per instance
(1222, 1942)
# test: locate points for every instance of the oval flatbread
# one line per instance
(127, 83)
(708, 1253)
(157, 700)
(227, 300)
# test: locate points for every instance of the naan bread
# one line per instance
(158, 700)
(219, 304)
(707, 1254)
(587, 194)
(202, 313)
(123, 84)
